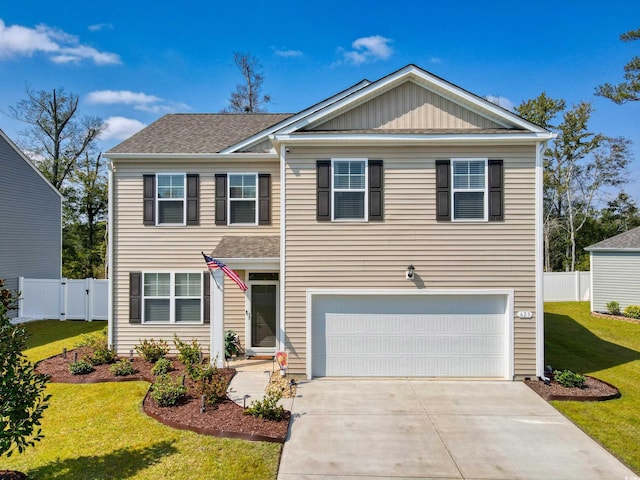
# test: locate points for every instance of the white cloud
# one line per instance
(504, 102)
(120, 128)
(98, 27)
(289, 53)
(139, 101)
(435, 60)
(60, 47)
(368, 49)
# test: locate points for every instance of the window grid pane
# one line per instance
(469, 189)
(157, 285)
(242, 186)
(242, 211)
(170, 186)
(170, 211)
(188, 284)
(172, 297)
(349, 186)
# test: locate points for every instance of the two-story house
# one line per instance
(393, 229)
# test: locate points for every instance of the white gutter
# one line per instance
(539, 262)
(110, 324)
(192, 156)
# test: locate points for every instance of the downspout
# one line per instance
(539, 257)
(283, 229)
(110, 322)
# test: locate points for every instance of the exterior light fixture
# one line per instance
(409, 273)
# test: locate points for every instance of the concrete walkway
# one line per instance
(251, 380)
(392, 429)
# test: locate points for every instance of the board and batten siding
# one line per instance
(137, 247)
(30, 221)
(408, 106)
(615, 278)
(446, 255)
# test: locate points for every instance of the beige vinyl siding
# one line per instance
(172, 249)
(264, 146)
(616, 278)
(375, 255)
(408, 106)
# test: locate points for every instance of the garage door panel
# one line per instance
(402, 336)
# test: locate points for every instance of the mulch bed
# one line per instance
(614, 317)
(225, 419)
(594, 391)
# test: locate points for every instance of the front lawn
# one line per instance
(99, 432)
(606, 349)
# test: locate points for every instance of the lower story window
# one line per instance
(172, 298)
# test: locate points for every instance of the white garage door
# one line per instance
(409, 335)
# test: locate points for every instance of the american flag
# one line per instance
(214, 264)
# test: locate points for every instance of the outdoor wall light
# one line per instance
(409, 273)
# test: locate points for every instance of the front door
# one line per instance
(263, 317)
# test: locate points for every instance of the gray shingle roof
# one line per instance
(247, 247)
(197, 132)
(629, 240)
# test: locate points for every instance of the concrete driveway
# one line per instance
(350, 429)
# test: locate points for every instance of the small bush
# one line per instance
(632, 311)
(97, 342)
(210, 382)
(102, 356)
(81, 367)
(151, 350)
(123, 368)
(267, 408)
(188, 354)
(167, 392)
(569, 379)
(613, 308)
(162, 367)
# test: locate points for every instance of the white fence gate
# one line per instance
(63, 299)
(567, 286)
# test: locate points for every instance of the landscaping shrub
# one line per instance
(167, 392)
(210, 382)
(97, 342)
(188, 354)
(267, 408)
(632, 311)
(123, 368)
(151, 350)
(81, 367)
(569, 379)
(162, 367)
(613, 308)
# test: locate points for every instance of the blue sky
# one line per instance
(131, 62)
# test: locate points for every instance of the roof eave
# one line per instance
(203, 156)
(612, 249)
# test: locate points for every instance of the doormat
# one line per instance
(260, 357)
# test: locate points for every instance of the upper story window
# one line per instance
(469, 189)
(349, 189)
(172, 297)
(243, 199)
(171, 199)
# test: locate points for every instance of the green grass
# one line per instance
(606, 349)
(99, 432)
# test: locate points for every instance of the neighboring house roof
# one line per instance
(29, 162)
(197, 132)
(628, 241)
(247, 247)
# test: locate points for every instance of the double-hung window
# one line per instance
(170, 199)
(172, 297)
(469, 189)
(349, 189)
(243, 199)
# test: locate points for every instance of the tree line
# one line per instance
(584, 172)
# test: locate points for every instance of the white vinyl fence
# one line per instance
(567, 286)
(63, 299)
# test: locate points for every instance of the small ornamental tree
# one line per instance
(22, 389)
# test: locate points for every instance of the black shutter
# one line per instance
(376, 191)
(193, 199)
(323, 192)
(264, 199)
(206, 297)
(496, 191)
(221, 198)
(149, 200)
(135, 297)
(443, 190)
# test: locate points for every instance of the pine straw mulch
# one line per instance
(225, 419)
(594, 391)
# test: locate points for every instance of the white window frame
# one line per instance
(365, 190)
(254, 200)
(484, 190)
(172, 297)
(158, 200)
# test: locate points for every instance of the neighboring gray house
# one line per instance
(615, 271)
(30, 219)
